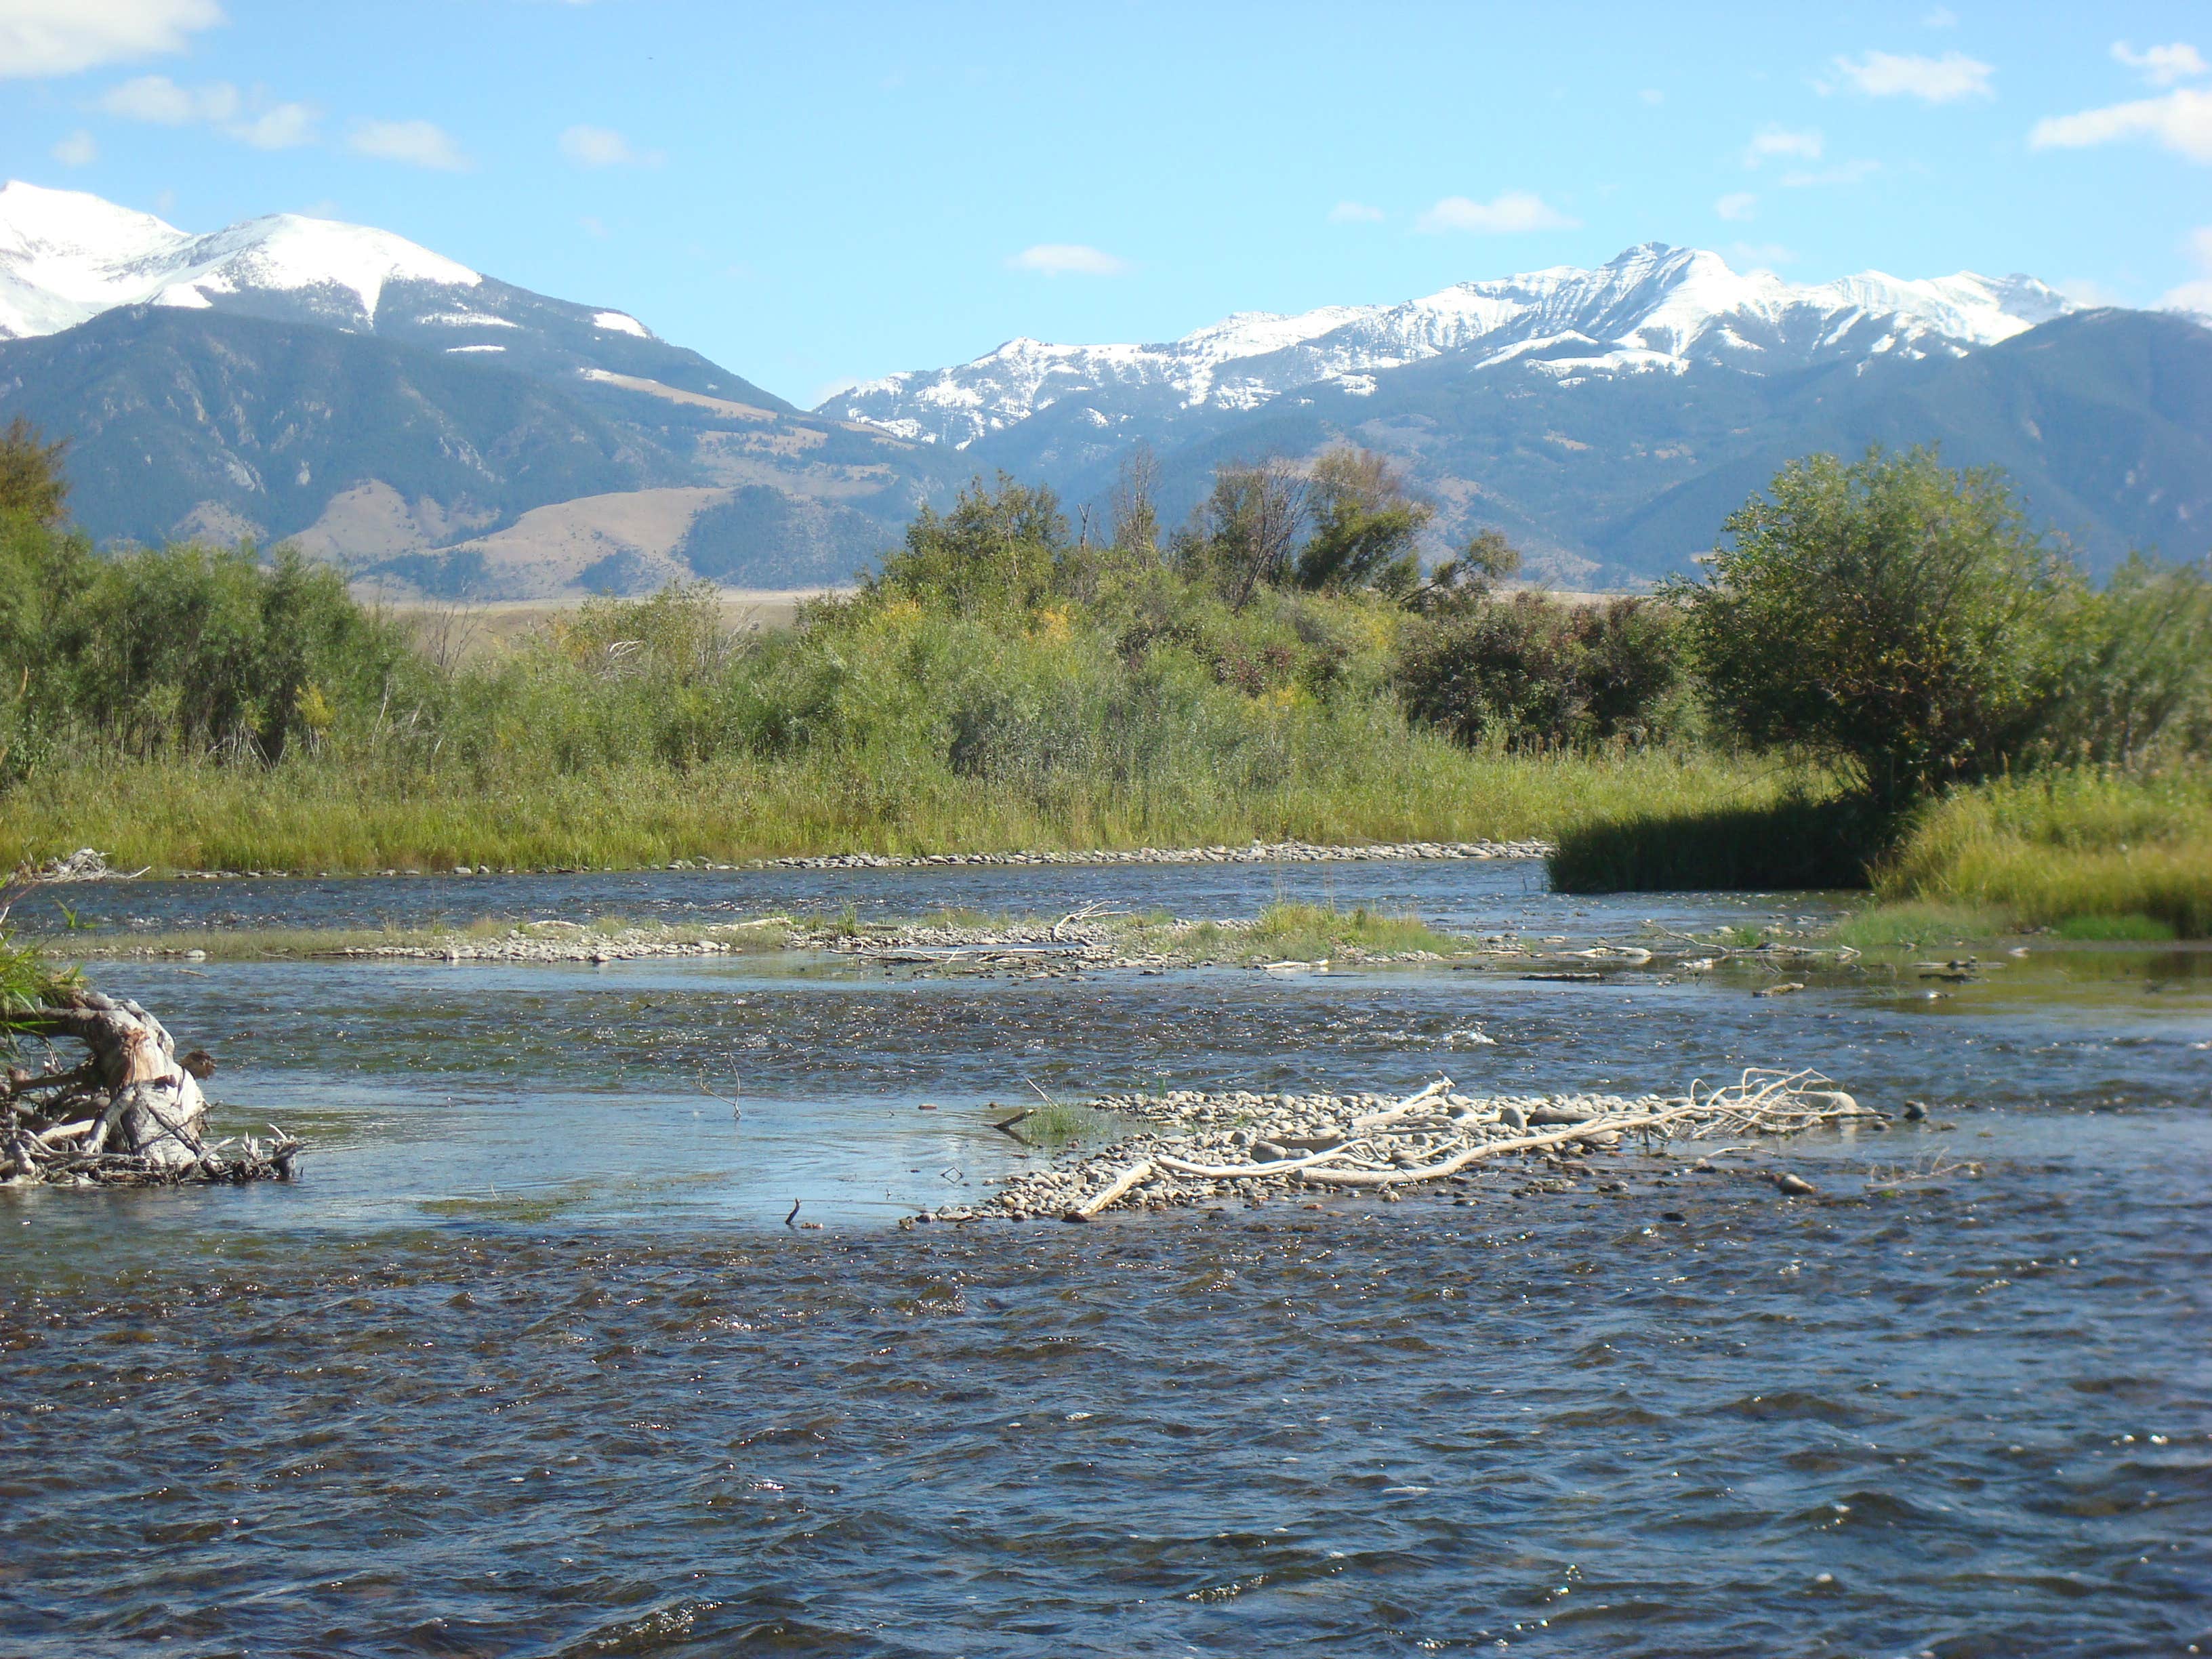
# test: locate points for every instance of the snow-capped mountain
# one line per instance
(409, 417)
(66, 257)
(1654, 309)
(430, 426)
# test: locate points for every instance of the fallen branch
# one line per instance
(1114, 1190)
(1428, 1135)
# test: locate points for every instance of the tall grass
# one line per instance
(2082, 847)
(339, 813)
(29, 977)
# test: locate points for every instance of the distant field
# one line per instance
(465, 630)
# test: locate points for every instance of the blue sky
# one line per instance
(808, 193)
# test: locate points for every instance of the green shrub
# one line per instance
(1533, 673)
(1892, 615)
(2140, 685)
(185, 649)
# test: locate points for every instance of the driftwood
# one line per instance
(130, 1115)
(1428, 1136)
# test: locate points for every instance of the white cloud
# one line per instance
(79, 150)
(1771, 141)
(2181, 120)
(1508, 213)
(603, 147)
(1844, 173)
(2196, 295)
(1067, 259)
(1906, 75)
(1737, 205)
(2162, 66)
(1941, 18)
(158, 98)
(282, 126)
(419, 144)
(2087, 291)
(1355, 213)
(62, 36)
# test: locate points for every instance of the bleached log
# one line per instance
(155, 1109)
(1587, 1131)
(1140, 1171)
(1404, 1107)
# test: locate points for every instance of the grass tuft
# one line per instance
(2147, 930)
(1911, 924)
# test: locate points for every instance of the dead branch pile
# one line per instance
(86, 864)
(1304, 1144)
(130, 1115)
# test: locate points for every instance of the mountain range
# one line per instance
(428, 427)
(438, 431)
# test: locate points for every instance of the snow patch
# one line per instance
(617, 322)
(65, 257)
(455, 350)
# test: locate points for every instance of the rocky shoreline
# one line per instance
(1282, 852)
(88, 865)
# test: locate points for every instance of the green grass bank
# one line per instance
(339, 815)
(2086, 854)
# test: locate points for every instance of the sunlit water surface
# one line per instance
(528, 1363)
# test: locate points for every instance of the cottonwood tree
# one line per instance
(1892, 614)
(1136, 515)
(31, 478)
(1252, 521)
(1466, 581)
(1366, 526)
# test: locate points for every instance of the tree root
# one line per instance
(131, 1116)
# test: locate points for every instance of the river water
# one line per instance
(527, 1362)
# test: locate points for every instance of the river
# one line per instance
(528, 1362)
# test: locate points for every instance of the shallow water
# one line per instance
(526, 1364)
(1503, 894)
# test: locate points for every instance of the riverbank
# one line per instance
(2086, 854)
(309, 816)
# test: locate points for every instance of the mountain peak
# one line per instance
(1654, 307)
(66, 256)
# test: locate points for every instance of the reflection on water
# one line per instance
(525, 1364)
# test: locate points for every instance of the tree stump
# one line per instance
(131, 1114)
